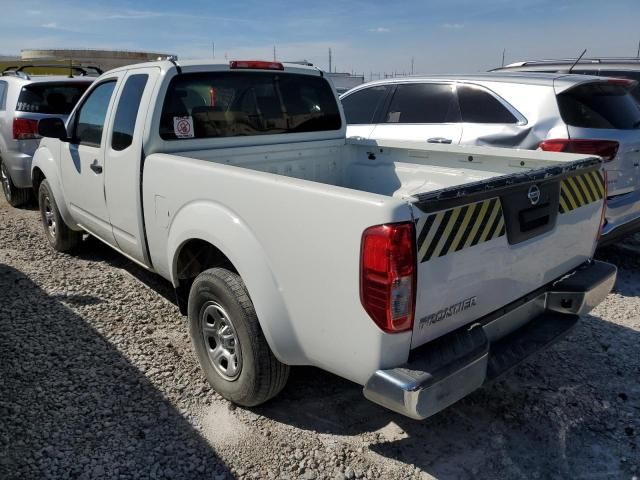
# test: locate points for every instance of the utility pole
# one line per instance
(274, 53)
(329, 59)
(503, 52)
(638, 55)
(412, 65)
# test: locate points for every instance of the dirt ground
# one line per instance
(98, 380)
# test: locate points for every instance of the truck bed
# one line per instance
(390, 168)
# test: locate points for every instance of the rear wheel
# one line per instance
(59, 235)
(229, 342)
(15, 196)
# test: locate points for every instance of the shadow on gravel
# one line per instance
(570, 412)
(626, 257)
(94, 250)
(71, 406)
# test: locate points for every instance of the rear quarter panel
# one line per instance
(295, 243)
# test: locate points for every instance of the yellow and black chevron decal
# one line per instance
(461, 227)
(580, 190)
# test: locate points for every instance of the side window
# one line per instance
(478, 106)
(3, 92)
(92, 114)
(361, 106)
(127, 112)
(423, 103)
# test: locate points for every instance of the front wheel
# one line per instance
(229, 342)
(59, 235)
(15, 196)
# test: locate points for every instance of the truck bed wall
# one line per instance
(390, 168)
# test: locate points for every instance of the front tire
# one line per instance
(58, 234)
(229, 342)
(15, 196)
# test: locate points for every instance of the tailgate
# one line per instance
(486, 244)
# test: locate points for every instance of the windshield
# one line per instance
(51, 98)
(599, 105)
(229, 104)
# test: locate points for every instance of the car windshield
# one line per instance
(51, 98)
(599, 105)
(229, 104)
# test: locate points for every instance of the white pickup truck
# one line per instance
(418, 271)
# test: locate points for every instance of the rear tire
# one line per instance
(58, 234)
(15, 196)
(229, 342)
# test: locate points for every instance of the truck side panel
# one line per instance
(295, 243)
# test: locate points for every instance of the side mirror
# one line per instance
(52, 128)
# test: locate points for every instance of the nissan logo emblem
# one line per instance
(534, 194)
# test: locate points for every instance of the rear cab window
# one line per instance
(599, 105)
(57, 98)
(125, 120)
(231, 104)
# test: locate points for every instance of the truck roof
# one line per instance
(208, 65)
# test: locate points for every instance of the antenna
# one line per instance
(577, 60)
(504, 50)
(412, 65)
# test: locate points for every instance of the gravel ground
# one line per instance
(98, 380)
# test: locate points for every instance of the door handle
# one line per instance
(95, 167)
(439, 140)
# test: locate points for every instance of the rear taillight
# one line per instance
(388, 275)
(255, 65)
(603, 220)
(607, 149)
(25, 129)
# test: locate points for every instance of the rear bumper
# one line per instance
(19, 167)
(447, 369)
(623, 217)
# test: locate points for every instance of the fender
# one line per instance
(44, 160)
(221, 227)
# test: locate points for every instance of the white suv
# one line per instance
(24, 100)
(549, 111)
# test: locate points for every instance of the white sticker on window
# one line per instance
(183, 127)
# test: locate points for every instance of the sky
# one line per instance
(441, 36)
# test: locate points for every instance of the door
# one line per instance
(362, 107)
(82, 161)
(488, 120)
(124, 154)
(423, 112)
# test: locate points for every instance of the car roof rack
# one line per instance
(592, 60)
(81, 71)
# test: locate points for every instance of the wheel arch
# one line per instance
(222, 239)
(44, 166)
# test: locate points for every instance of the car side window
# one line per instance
(3, 93)
(127, 112)
(478, 106)
(91, 117)
(423, 103)
(360, 107)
